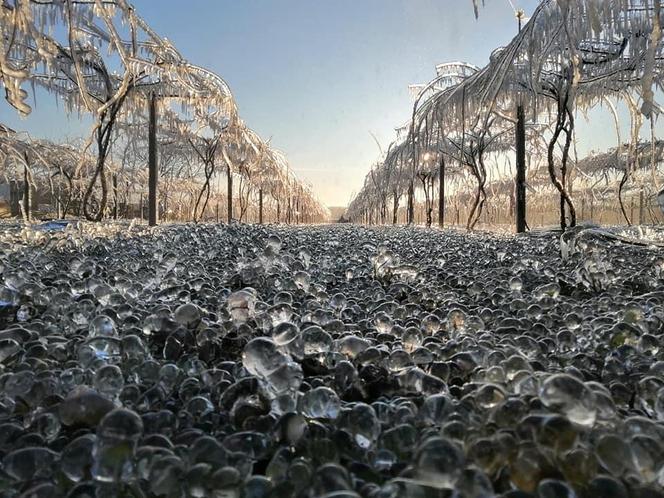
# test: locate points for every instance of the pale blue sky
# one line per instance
(317, 76)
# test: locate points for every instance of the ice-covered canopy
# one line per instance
(41, 157)
(571, 54)
(101, 58)
(91, 53)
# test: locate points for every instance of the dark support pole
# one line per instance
(14, 198)
(26, 192)
(260, 206)
(441, 192)
(115, 196)
(520, 170)
(411, 203)
(229, 192)
(127, 205)
(152, 163)
(642, 213)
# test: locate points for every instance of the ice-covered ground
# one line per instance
(334, 361)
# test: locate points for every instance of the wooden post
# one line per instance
(260, 206)
(520, 170)
(642, 213)
(115, 196)
(26, 192)
(411, 204)
(58, 203)
(152, 163)
(441, 191)
(14, 198)
(229, 192)
(127, 214)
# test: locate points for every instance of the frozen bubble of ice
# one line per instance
(280, 313)
(188, 315)
(285, 333)
(568, 395)
(117, 435)
(261, 357)
(383, 323)
(338, 301)
(241, 305)
(431, 324)
(316, 340)
(285, 379)
(102, 326)
(362, 424)
(552, 488)
(302, 280)
(30, 463)
(274, 242)
(489, 396)
(9, 348)
(109, 381)
(435, 409)
(614, 453)
(352, 345)
(439, 461)
(399, 360)
(76, 458)
(305, 255)
(321, 402)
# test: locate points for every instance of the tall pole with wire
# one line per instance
(441, 191)
(520, 181)
(152, 163)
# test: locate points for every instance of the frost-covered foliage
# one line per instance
(59, 172)
(101, 58)
(93, 53)
(569, 57)
(41, 165)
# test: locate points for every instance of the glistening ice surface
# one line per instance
(335, 361)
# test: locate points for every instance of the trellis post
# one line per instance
(229, 193)
(411, 204)
(441, 191)
(115, 196)
(26, 192)
(152, 163)
(260, 206)
(520, 170)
